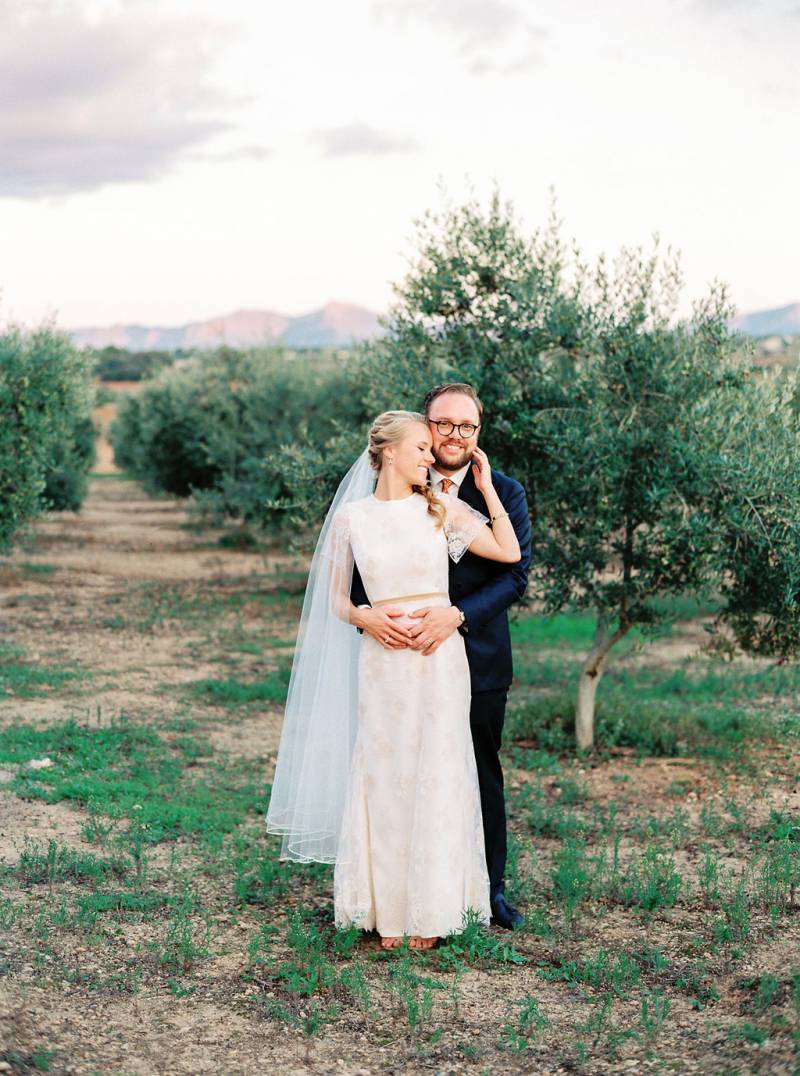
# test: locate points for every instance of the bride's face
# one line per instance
(412, 455)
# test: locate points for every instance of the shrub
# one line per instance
(46, 433)
(119, 364)
(220, 428)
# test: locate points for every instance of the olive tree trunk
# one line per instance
(593, 669)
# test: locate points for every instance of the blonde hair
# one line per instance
(389, 429)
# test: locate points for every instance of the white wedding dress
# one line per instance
(411, 849)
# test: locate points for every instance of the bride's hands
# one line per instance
(437, 624)
(380, 624)
(481, 470)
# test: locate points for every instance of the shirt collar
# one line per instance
(456, 478)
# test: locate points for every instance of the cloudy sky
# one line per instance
(175, 160)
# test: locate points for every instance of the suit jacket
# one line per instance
(485, 589)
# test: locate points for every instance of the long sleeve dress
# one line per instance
(411, 849)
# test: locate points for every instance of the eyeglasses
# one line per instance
(445, 427)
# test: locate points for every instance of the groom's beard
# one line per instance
(451, 460)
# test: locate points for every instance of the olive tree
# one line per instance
(46, 433)
(219, 428)
(640, 437)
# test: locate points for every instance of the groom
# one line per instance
(481, 592)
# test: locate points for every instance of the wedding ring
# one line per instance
(386, 638)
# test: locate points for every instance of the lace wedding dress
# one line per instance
(411, 849)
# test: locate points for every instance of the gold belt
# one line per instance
(412, 597)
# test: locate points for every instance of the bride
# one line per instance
(376, 769)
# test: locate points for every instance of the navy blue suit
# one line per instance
(484, 590)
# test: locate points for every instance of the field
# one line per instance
(146, 925)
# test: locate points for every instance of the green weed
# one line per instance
(523, 758)
(734, 921)
(36, 1061)
(129, 771)
(185, 941)
(521, 883)
(58, 863)
(474, 945)
(28, 679)
(766, 991)
(692, 980)
(616, 972)
(272, 688)
(676, 826)
(527, 1028)
(571, 876)
(651, 880)
(546, 819)
(747, 1033)
(155, 605)
(572, 790)
(653, 1013)
(704, 707)
(412, 993)
(9, 913)
(599, 1030)
(779, 872)
(250, 860)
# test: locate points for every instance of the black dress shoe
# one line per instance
(504, 914)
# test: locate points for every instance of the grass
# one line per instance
(124, 772)
(618, 971)
(575, 630)
(30, 678)
(230, 692)
(55, 864)
(637, 906)
(150, 605)
(154, 604)
(710, 715)
(701, 705)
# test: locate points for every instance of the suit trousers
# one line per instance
(486, 717)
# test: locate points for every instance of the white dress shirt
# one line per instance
(456, 479)
(436, 486)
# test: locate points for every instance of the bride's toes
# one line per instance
(416, 942)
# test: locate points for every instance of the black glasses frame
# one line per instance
(454, 426)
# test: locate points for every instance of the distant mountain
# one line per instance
(335, 325)
(782, 321)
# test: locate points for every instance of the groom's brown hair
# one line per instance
(453, 386)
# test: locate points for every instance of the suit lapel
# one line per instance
(470, 493)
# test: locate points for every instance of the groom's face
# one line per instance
(452, 450)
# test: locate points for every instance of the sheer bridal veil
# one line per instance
(319, 726)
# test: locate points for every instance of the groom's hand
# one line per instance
(379, 623)
(436, 623)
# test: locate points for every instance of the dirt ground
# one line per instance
(95, 592)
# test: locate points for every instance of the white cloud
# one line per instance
(660, 116)
(491, 36)
(360, 138)
(85, 103)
